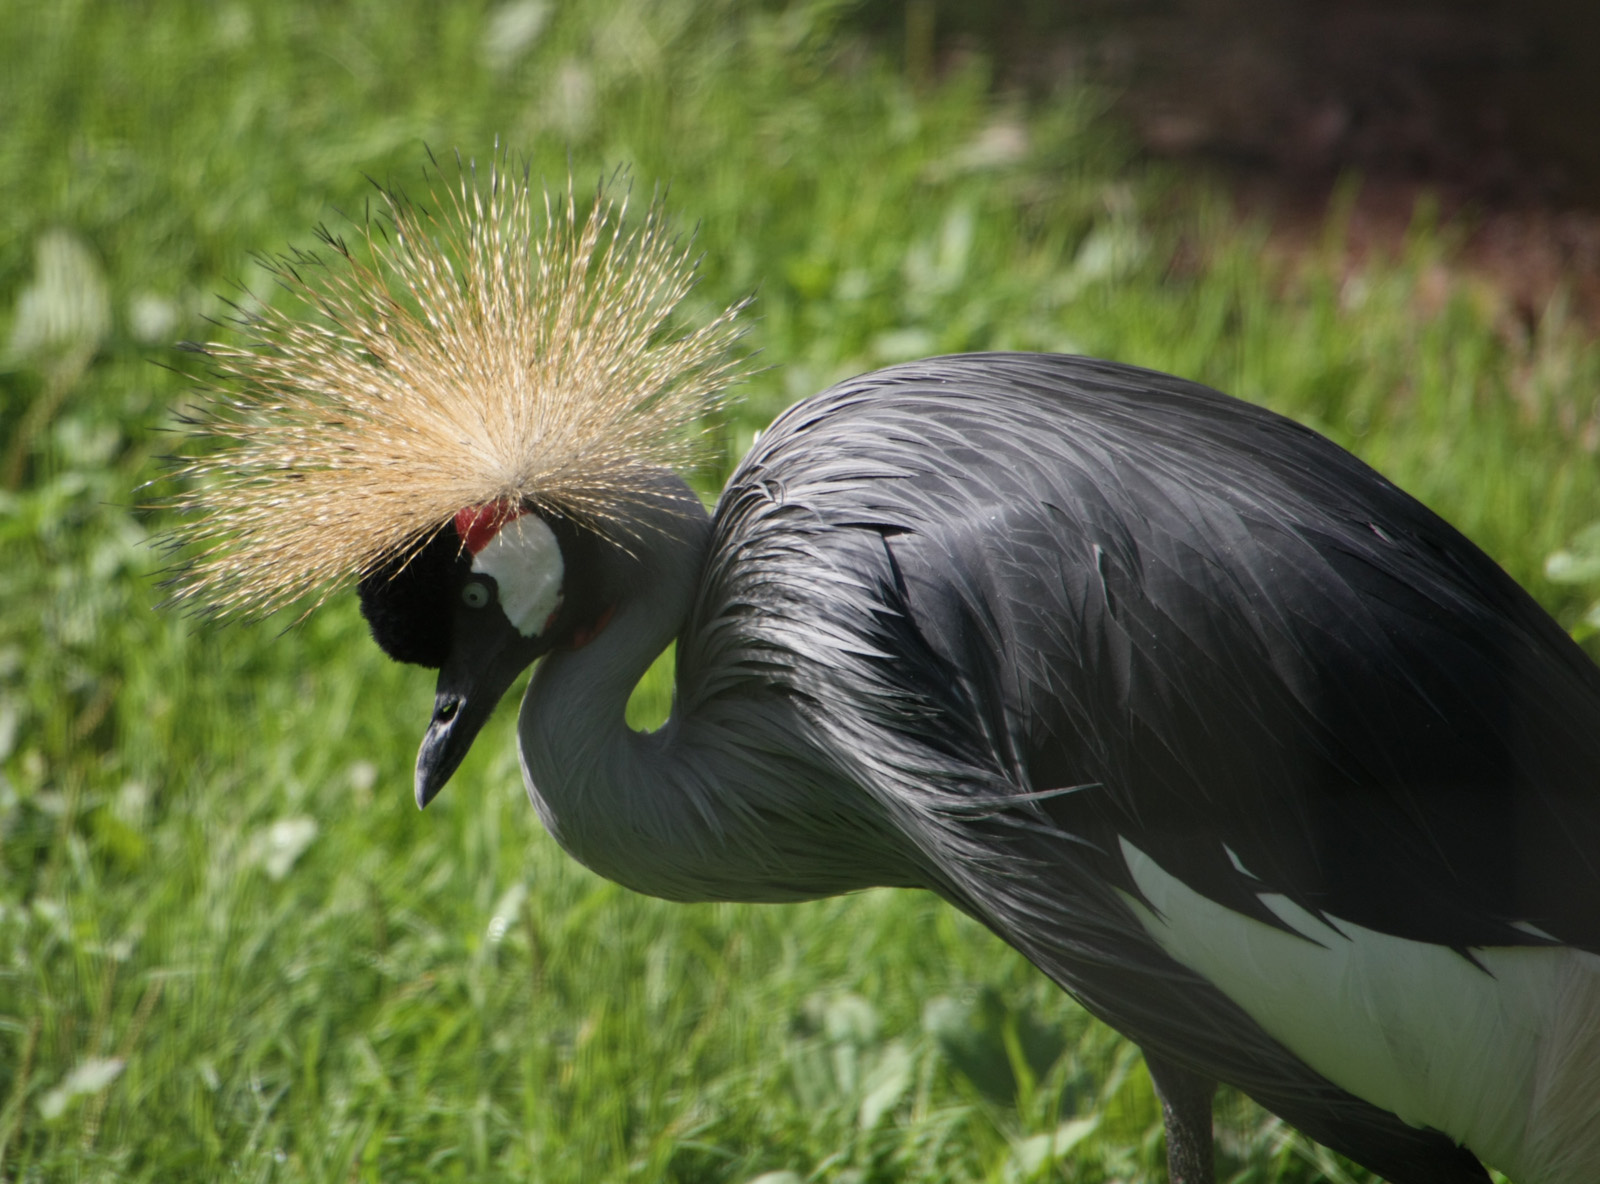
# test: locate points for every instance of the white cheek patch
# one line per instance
(525, 561)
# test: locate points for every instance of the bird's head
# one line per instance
(492, 592)
(465, 405)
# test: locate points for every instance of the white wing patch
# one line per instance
(1504, 1058)
(525, 560)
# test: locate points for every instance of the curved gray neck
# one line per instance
(705, 808)
(727, 804)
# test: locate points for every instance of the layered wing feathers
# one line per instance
(1279, 672)
(1039, 608)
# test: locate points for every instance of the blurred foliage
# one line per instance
(229, 948)
(1578, 564)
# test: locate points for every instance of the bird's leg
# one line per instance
(1186, 1110)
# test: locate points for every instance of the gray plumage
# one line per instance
(968, 623)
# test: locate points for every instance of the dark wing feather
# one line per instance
(1034, 605)
(1248, 639)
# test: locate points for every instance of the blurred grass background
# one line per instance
(230, 948)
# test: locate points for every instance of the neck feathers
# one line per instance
(717, 805)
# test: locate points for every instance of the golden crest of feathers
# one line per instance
(507, 348)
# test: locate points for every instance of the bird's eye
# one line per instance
(476, 594)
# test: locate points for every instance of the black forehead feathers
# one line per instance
(409, 605)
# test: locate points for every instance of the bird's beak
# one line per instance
(484, 661)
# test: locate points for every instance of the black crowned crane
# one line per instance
(1258, 758)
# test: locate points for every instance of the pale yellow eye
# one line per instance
(476, 594)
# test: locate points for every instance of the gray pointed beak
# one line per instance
(445, 744)
(484, 661)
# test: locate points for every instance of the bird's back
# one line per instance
(1107, 615)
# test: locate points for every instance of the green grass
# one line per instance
(211, 873)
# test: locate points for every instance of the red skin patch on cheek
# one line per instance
(584, 636)
(477, 525)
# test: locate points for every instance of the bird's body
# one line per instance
(1256, 756)
(1238, 742)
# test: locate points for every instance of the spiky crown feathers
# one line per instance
(480, 355)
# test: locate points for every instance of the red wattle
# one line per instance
(477, 525)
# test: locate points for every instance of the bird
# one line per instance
(1254, 755)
